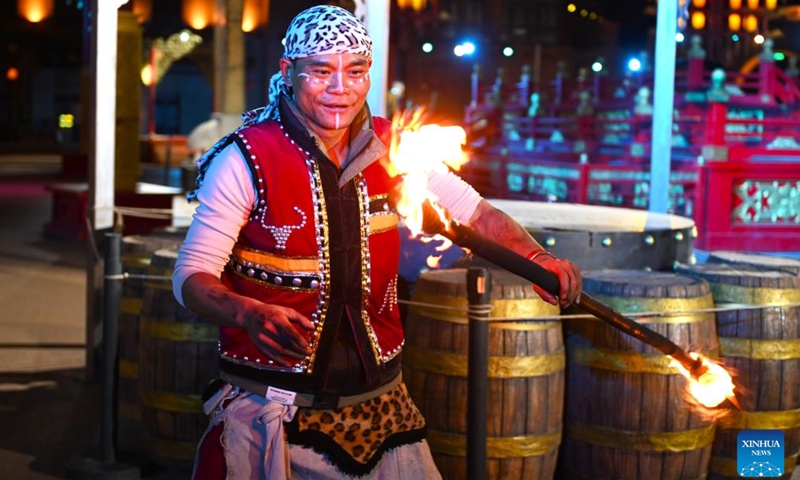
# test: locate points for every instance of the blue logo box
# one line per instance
(759, 453)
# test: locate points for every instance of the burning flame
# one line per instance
(444, 243)
(417, 150)
(712, 387)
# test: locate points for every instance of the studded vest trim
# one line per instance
(284, 252)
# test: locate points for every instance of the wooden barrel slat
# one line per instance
(770, 384)
(175, 366)
(759, 260)
(525, 410)
(626, 417)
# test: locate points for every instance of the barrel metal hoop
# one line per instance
(179, 332)
(650, 442)
(627, 362)
(171, 402)
(769, 420)
(455, 365)
(757, 349)
(496, 447)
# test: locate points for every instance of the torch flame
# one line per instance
(417, 150)
(712, 387)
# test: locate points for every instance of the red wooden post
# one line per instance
(695, 74)
(699, 203)
(583, 180)
(715, 128)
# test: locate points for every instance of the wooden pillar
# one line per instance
(127, 151)
(229, 58)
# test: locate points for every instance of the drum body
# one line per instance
(137, 251)
(626, 415)
(759, 334)
(526, 374)
(177, 360)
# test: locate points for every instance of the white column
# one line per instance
(105, 103)
(375, 15)
(663, 95)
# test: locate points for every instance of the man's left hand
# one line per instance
(569, 278)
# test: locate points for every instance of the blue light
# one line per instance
(597, 67)
(735, 37)
(464, 48)
(679, 37)
(508, 51)
(427, 47)
(634, 65)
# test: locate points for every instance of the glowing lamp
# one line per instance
(679, 37)
(759, 39)
(12, 74)
(416, 5)
(427, 47)
(198, 14)
(751, 23)
(752, 4)
(571, 8)
(597, 67)
(35, 11)
(698, 20)
(143, 9)
(634, 64)
(699, 3)
(771, 4)
(735, 4)
(255, 14)
(734, 22)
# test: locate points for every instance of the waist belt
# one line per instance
(288, 397)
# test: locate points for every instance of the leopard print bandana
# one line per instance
(320, 30)
(354, 438)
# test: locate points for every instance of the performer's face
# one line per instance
(329, 89)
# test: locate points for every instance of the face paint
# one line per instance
(338, 120)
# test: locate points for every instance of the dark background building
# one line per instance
(42, 80)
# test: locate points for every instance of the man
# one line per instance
(293, 251)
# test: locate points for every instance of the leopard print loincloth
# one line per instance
(355, 438)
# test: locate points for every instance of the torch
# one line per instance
(506, 258)
(710, 382)
(425, 148)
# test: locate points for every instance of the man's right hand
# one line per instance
(278, 332)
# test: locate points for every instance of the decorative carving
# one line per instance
(767, 201)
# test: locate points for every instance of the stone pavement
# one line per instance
(49, 413)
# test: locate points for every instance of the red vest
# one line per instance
(283, 252)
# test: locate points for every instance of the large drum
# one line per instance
(626, 417)
(526, 374)
(597, 237)
(759, 336)
(177, 359)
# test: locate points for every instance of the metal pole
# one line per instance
(112, 285)
(663, 96)
(106, 467)
(479, 286)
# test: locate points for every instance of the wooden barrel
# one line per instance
(177, 359)
(762, 345)
(768, 262)
(526, 374)
(626, 417)
(136, 253)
